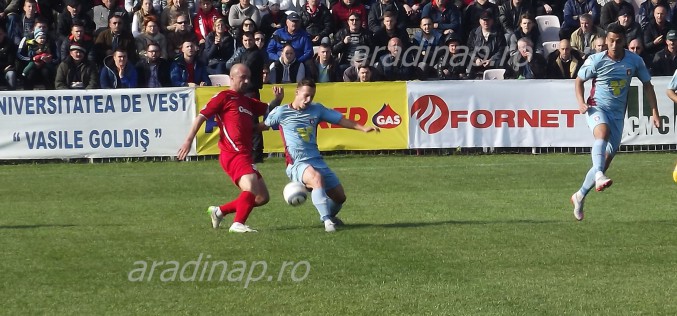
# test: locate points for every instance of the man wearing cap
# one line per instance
(73, 14)
(293, 35)
(76, 72)
(626, 19)
(487, 45)
(611, 11)
(453, 65)
(656, 30)
(665, 60)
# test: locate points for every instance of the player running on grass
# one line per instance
(611, 71)
(234, 112)
(298, 124)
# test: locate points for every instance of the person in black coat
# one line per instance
(153, 70)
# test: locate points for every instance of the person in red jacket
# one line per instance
(344, 8)
(203, 22)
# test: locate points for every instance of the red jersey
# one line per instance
(235, 114)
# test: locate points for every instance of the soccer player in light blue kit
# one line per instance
(298, 122)
(611, 71)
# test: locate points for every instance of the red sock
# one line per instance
(229, 207)
(244, 206)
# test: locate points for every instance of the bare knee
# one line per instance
(312, 178)
(262, 199)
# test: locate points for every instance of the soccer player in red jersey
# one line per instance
(234, 113)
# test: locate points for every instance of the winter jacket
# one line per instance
(108, 77)
(68, 72)
(179, 72)
(300, 41)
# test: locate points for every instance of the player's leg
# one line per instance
(337, 197)
(312, 178)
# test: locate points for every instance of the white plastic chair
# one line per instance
(494, 74)
(220, 80)
(549, 47)
(548, 26)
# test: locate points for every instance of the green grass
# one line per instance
(456, 235)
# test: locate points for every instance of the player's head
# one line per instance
(305, 92)
(239, 77)
(615, 40)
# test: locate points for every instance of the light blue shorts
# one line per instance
(295, 172)
(597, 117)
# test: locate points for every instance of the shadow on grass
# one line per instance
(36, 226)
(426, 224)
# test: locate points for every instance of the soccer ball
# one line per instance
(295, 193)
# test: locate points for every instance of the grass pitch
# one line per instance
(456, 235)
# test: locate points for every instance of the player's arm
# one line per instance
(580, 97)
(651, 96)
(347, 123)
(185, 148)
(672, 95)
(261, 127)
(278, 92)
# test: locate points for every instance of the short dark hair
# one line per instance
(616, 29)
(307, 82)
(390, 14)
(247, 34)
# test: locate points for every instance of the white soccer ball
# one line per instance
(295, 193)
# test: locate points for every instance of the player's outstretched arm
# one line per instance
(651, 95)
(580, 89)
(344, 122)
(185, 148)
(278, 92)
(672, 95)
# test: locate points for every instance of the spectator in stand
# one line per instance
(171, 13)
(117, 72)
(428, 39)
(390, 30)
(273, 21)
(527, 28)
(574, 10)
(564, 63)
(203, 22)
(472, 13)
(378, 10)
(510, 13)
(656, 31)
(365, 74)
(635, 46)
(238, 13)
(600, 44)
(264, 6)
(247, 26)
(349, 39)
(102, 13)
(412, 10)
(323, 67)
(583, 39)
(294, 35)
(316, 20)
(151, 34)
(139, 18)
(76, 72)
(527, 64)
(7, 60)
(81, 39)
(292, 5)
(343, 9)
(612, 10)
(665, 61)
(73, 14)
(453, 65)
(253, 57)
(23, 25)
(260, 41)
(550, 7)
(487, 45)
(219, 48)
(646, 11)
(114, 38)
(36, 60)
(626, 19)
(397, 63)
(182, 33)
(287, 69)
(187, 70)
(152, 69)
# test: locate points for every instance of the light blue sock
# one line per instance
(321, 202)
(598, 152)
(589, 182)
(334, 207)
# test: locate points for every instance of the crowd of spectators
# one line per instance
(88, 44)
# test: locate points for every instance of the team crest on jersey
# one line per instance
(312, 121)
(628, 72)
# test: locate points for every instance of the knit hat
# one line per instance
(37, 33)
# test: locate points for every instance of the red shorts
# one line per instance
(237, 165)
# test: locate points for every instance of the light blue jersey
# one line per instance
(612, 80)
(299, 129)
(299, 133)
(673, 82)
